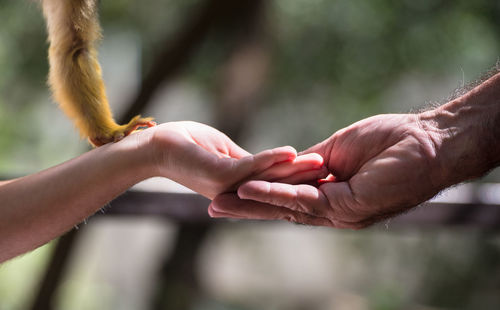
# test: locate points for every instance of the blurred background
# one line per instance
(267, 73)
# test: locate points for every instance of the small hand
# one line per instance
(382, 166)
(207, 161)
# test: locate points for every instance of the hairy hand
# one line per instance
(207, 161)
(382, 166)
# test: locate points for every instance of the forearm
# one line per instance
(466, 133)
(39, 207)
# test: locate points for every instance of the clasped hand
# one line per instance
(379, 167)
(374, 169)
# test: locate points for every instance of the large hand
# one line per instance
(382, 165)
(207, 161)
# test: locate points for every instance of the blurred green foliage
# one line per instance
(340, 58)
(19, 278)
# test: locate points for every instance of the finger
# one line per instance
(259, 162)
(239, 170)
(230, 206)
(310, 177)
(218, 212)
(343, 203)
(334, 201)
(290, 168)
(302, 198)
(267, 158)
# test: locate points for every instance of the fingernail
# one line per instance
(319, 158)
(285, 154)
(314, 159)
(330, 178)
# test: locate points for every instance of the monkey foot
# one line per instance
(135, 124)
(140, 123)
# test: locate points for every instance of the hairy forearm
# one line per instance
(39, 207)
(466, 133)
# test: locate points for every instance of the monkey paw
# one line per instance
(122, 131)
(136, 123)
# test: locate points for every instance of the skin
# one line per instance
(37, 208)
(383, 165)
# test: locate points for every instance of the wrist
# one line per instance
(162, 143)
(137, 155)
(465, 133)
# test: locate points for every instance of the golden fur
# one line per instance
(75, 74)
